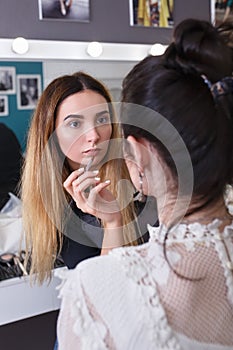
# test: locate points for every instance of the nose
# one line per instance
(92, 135)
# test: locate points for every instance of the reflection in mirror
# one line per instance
(151, 13)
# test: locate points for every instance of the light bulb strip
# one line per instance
(71, 50)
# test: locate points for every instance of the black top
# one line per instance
(84, 235)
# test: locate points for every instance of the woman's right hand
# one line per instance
(92, 196)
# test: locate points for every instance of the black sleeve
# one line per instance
(82, 237)
(74, 252)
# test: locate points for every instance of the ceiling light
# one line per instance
(94, 49)
(20, 45)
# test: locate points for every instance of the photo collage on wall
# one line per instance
(26, 87)
(7, 86)
(151, 13)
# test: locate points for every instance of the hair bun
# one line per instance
(199, 47)
(190, 35)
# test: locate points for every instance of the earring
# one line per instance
(141, 197)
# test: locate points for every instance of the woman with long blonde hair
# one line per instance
(73, 134)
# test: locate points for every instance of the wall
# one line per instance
(109, 22)
(18, 119)
(110, 73)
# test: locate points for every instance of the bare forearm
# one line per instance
(227, 12)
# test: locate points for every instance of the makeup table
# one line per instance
(20, 300)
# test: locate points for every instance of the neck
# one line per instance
(171, 213)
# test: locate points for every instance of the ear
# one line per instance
(140, 151)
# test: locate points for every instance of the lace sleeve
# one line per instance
(79, 326)
(102, 297)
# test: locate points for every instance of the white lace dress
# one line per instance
(132, 299)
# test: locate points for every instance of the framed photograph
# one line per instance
(4, 106)
(151, 13)
(28, 90)
(64, 10)
(223, 11)
(7, 80)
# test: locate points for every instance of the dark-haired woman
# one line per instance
(175, 292)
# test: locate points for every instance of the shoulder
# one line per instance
(98, 270)
(96, 277)
(89, 268)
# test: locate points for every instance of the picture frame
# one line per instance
(28, 90)
(221, 11)
(4, 106)
(64, 10)
(151, 13)
(7, 80)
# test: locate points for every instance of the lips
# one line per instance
(91, 152)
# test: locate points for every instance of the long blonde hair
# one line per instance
(45, 169)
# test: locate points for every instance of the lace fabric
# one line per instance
(199, 305)
(132, 299)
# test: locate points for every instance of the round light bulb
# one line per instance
(157, 49)
(20, 45)
(94, 49)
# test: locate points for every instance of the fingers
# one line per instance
(99, 187)
(79, 178)
(94, 201)
(88, 192)
(73, 176)
(83, 185)
(97, 193)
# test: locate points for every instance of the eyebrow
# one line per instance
(102, 113)
(80, 116)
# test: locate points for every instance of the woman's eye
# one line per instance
(103, 120)
(74, 124)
